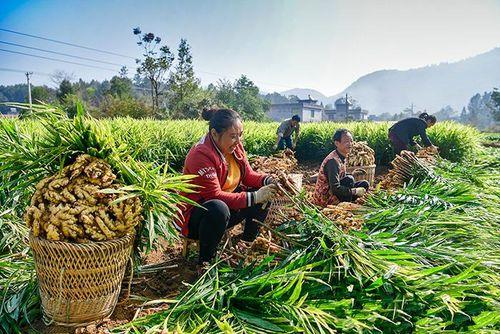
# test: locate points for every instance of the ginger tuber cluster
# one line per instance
(71, 206)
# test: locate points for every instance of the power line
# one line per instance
(59, 60)
(49, 75)
(60, 53)
(121, 55)
(66, 43)
(22, 71)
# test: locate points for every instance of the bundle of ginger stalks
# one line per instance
(407, 164)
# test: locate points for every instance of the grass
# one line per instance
(167, 142)
(426, 261)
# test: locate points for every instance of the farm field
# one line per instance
(423, 259)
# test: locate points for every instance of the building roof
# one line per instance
(342, 100)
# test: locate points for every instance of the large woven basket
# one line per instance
(80, 283)
(369, 176)
(275, 215)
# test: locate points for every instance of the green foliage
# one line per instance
(113, 106)
(19, 299)
(40, 94)
(185, 96)
(65, 89)
(242, 96)
(169, 141)
(155, 63)
(495, 96)
(27, 157)
(425, 262)
(120, 87)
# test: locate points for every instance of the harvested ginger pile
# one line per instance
(70, 206)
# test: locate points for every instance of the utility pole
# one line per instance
(29, 87)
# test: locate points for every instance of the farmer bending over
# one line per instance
(229, 190)
(333, 184)
(401, 134)
(285, 130)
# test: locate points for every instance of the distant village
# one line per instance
(344, 109)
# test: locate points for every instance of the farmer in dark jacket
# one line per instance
(285, 131)
(401, 134)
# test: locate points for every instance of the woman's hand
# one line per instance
(265, 193)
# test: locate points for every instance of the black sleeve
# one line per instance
(423, 135)
(331, 171)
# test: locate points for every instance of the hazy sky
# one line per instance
(323, 45)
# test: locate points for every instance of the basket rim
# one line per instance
(57, 243)
(361, 166)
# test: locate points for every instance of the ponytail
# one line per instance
(428, 118)
(220, 119)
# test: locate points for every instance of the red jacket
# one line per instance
(207, 162)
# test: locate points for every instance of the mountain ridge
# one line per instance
(429, 87)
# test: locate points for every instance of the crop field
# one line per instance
(424, 259)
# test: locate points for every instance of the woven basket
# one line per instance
(370, 173)
(80, 283)
(281, 202)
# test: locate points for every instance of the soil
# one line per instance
(169, 273)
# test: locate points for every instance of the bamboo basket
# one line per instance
(281, 202)
(370, 173)
(80, 283)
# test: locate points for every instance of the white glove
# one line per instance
(265, 193)
(358, 191)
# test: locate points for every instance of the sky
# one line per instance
(279, 44)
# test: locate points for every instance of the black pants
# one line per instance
(348, 181)
(285, 142)
(208, 225)
(397, 144)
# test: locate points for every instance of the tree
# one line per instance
(224, 94)
(155, 63)
(59, 76)
(114, 106)
(275, 98)
(248, 101)
(495, 105)
(186, 97)
(479, 110)
(463, 115)
(65, 88)
(445, 113)
(123, 72)
(242, 96)
(120, 86)
(40, 94)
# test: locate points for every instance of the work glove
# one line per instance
(265, 193)
(358, 191)
(269, 180)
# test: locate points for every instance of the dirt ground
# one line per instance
(168, 271)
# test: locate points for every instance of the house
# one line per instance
(12, 113)
(345, 109)
(309, 110)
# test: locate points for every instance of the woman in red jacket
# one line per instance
(229, 191)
